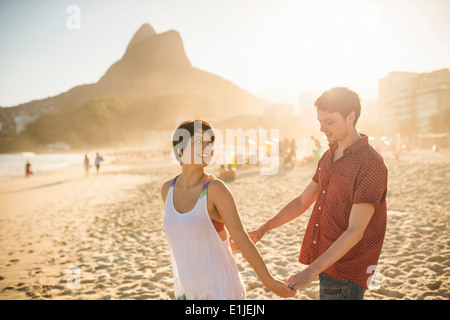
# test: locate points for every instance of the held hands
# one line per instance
(280, 289)
(301, 279)
(274, 285)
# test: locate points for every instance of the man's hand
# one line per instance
(280, 289)
(301, 279)
(256, 235)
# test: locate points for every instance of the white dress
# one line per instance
(202, 264)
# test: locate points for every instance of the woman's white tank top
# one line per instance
(202, 264)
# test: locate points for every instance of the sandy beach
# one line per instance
(64, 235)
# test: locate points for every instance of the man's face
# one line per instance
(334, 125)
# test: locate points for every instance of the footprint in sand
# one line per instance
(127, 288)
(435, 285)
(157, 276)
(391, 293)
(12, 262)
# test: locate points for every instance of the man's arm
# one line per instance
(291, 211)
(359, 219)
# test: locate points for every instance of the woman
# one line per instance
(198, 207)
(87, 164)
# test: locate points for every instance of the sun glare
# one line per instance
(322, 45)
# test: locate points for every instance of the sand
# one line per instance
(65, 235)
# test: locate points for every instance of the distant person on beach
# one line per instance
(199, 209)
(97, 161)
(289, 160)
(317, 149)
(293, 148)
(227, 173)
(28, 171)
(346, 229)
(289, 157)
(87, 164)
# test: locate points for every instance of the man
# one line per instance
(345, 232)
(98, 158)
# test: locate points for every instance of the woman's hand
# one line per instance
(280, 289)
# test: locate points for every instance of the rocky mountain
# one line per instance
(154, 68)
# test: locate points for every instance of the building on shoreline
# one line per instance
(416, 104)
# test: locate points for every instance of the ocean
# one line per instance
(12, 165)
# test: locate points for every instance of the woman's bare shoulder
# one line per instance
(165, 189)
(218, 188)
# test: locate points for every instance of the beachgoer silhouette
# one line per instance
(87, 164)
(97, 161)
(28, 171)
(317, 151)
(227, 173)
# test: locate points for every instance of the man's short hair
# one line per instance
(340, 99)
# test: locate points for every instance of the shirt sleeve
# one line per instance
(371, 185)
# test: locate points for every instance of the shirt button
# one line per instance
(317, 224)
(323, 191)
(320, 208)
(320, 169)
(314, 242)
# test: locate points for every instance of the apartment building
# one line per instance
(407, 101)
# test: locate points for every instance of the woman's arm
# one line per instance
(225, 205)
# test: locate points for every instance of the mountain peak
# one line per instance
(144, 32)
(147, 53)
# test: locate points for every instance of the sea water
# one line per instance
(12, 165)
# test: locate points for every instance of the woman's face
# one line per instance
(199, 149)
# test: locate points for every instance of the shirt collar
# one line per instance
(355, 146)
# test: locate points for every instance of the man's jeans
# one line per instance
(337, 289)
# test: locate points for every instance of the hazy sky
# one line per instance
(272, 48)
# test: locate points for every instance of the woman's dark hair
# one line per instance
(185, 131)
(340, 99)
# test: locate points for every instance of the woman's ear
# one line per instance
(179, 154)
